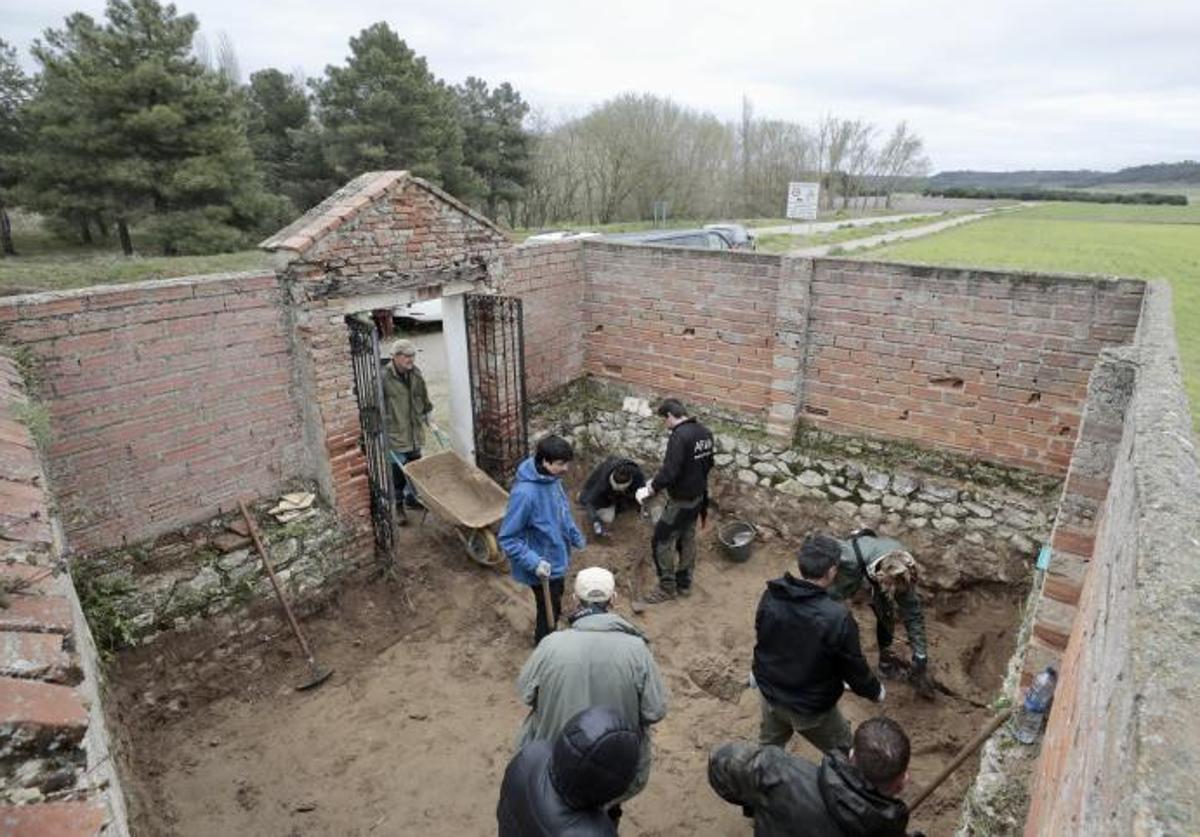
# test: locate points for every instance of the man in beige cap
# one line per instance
(601, 660)
(406, 408)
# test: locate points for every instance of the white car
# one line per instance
(553, 236)
(428, 311)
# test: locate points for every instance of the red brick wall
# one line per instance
(549, 280)
(168, 400)
(987, 364)
(690, 323)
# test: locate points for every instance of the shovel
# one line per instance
(548, 603)
(970, 747)
(317, 675)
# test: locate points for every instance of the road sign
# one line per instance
(802, 201)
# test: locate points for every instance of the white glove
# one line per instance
(543, 571)
(882, 694)
(643, 494)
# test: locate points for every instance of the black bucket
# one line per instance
(737, 539)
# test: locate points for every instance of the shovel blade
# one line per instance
(316, 678)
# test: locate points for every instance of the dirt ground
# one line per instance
(412, 734)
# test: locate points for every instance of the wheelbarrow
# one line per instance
(463, 496)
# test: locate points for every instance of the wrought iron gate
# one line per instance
(496, 352)
(368, 387)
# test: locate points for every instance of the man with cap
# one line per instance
(601, 660)
(889, 571)
(610, 488)
(406, 408)
(684, 476)
(560, 787)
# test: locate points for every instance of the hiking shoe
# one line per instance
(659, 594)
(683, 591)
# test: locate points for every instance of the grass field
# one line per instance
(1152, 242)
(46, 263)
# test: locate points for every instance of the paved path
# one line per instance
(885, 238)
(814, 227)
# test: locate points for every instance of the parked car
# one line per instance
(738, 235)
(700, 239)
(429, 311)
(553, 236)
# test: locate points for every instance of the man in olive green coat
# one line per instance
(406, 412)
(601, 660)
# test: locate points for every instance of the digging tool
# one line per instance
(317, 675)
(970, 747)
(548, 603)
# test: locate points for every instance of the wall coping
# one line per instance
(44, 297)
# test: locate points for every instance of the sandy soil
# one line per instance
(412, 733)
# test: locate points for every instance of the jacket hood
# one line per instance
(790, 587)
(595, 758)
(527, 472)
(855, 804)
(607, 622)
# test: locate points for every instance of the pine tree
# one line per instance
(279, 127)
(385, 110)
(132, 128)
(496, 145)
(15, 88)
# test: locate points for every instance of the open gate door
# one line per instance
(368, 388)
(496, 353)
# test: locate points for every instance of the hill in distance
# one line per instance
(1184, 173)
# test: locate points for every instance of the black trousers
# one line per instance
(556, 594)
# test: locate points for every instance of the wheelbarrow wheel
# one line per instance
(482, 548)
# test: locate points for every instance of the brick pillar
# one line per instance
(1073, 537)
(789, 347)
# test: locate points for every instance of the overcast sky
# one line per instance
(998, 85)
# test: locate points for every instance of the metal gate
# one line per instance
(368, 387)
(496, 352)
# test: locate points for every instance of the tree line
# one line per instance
(1075, 195)
(133, 126)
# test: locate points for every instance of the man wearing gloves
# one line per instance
(806, 652)
(602, 660)
(890, 573)
(684, 476)
(610, 489)
(538, 531)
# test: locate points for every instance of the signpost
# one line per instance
(802, 201)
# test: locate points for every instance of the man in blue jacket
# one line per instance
(538, 531)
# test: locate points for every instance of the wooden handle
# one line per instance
(551, 619)
(266, 562)
(966, 751)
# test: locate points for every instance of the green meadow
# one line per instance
(1151, 242)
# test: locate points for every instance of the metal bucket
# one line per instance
(737, 540)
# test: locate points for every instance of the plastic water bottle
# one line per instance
(1038, 698)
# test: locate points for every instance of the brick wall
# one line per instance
(981, 363)
(168, 400)
(56, 776)
(550, 281)
(1120, 748)
(690, 323)
(984, 363)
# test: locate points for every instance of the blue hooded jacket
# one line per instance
(538, 525)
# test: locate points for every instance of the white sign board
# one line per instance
(802, 201)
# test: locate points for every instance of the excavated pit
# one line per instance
(412, 734)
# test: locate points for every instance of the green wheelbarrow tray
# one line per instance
(462, 495)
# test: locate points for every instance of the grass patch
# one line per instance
(1150, 242)
(47, 263)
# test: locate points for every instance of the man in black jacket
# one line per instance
(560, 789)
(684, 476)
(609, 490)
(807, 647)
(854, 795)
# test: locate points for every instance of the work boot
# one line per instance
(659, 594)
(684, 591)
(890, 666)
